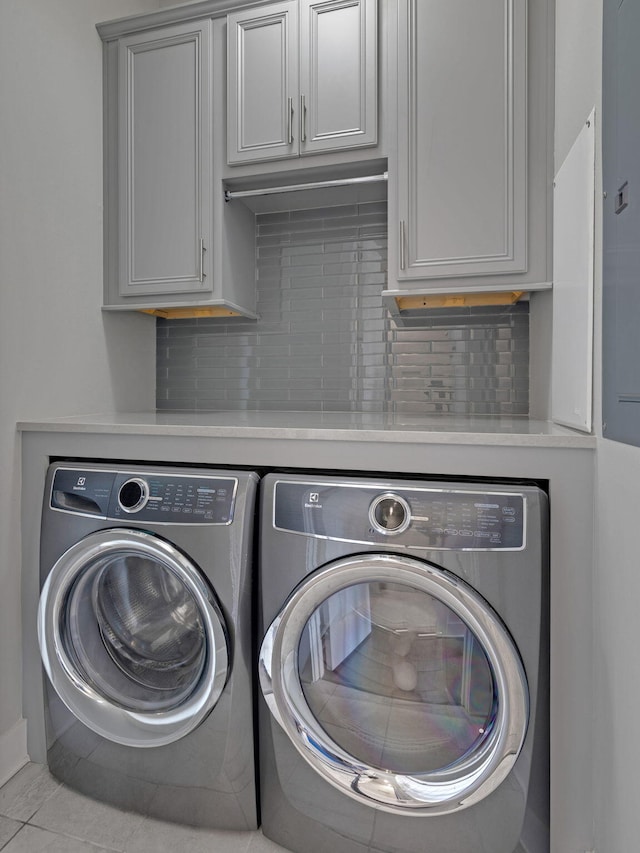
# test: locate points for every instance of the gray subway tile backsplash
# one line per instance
(325, 341)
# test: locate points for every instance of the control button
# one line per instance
(389, 514)
(133, 495)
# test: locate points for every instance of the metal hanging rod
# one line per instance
(229, 195)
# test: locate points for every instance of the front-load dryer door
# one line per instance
(132, 637)
(398, 684)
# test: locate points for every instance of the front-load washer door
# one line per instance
(397, 683)
(132, 638)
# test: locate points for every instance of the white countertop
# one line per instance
(329, 426)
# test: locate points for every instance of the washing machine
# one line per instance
(403, 666)
(145, 632)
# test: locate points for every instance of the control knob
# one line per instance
(133, 495)
(389, 514)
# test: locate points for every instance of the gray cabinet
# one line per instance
(164, 156)
(471, 209)
(302, 79)
(169, 242)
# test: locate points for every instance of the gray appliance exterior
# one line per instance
(300, 809)
(206, 777)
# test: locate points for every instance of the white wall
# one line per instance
(59, 355)
(578, 34)
(578, 88)
(616, 667)
(616, 583)
(578, 69)
(616, 750)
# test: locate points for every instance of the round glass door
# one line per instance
(397, 683)
(132, 638)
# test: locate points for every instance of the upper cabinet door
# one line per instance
(338, 74)
(462, 153)
(301, 79)
(262, 83)
(164, 160)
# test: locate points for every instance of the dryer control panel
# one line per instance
(438, 519)
(143, 496)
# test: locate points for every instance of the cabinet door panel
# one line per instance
(338, 74)
(262, 83)
(163, 144)
(462, 151)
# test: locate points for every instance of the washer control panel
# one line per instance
(433, 518)
(148, 497)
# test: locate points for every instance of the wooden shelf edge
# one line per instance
(458, 300)
(191, 313)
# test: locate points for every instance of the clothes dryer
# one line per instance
(144, 626)
(404, 666)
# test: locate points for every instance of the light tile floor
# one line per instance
(38, 814)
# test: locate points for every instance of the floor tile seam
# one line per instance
(241, 844)
(249, 840)
(79, 838)
(19, 829)
(40, 805)
(26, 794)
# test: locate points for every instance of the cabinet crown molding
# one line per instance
(114, 29)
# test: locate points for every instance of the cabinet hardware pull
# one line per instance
(202, 251)
(303, 119)
(289, 121)
(403, 259)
